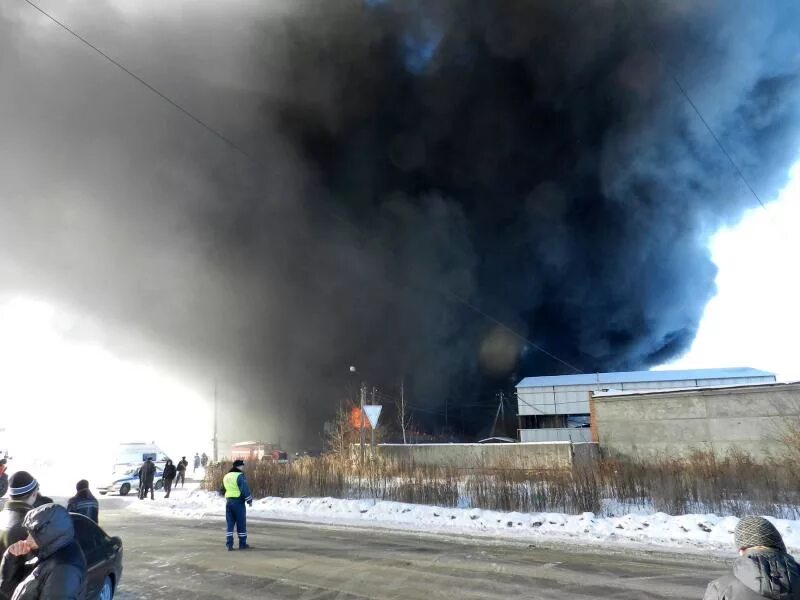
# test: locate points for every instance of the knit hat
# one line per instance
(21, 483)
(757, 531)
(82, 485)
(238, 463)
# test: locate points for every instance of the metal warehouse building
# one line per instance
(557, 408)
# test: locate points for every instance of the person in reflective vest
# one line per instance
(234, 487)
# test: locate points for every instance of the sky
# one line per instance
(88, 400)
(753, 320)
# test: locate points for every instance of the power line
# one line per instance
(153, 89)
(233, 145)
(700, 116)
(716, 138)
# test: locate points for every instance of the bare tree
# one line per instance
(403, 415)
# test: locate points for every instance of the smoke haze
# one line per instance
(535, 159)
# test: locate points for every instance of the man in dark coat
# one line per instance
(182, 464)
(84, 502)
(168, 476)
(59, 571)
(148, 475)
(763, 569)
(23, 492)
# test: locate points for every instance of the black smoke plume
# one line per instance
(412, 167)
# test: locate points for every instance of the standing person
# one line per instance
(60, 569)
(196, 462)
(182, 464)
(147, 476)
(234, 487)
(4, 476)
(763, 570)
(84, 502)
(169, 474)
(23, 491)
(204, 460)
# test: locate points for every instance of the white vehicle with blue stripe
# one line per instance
(123, 483)
(129, 459)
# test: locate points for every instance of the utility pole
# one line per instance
(371, 428)
(214, 439)
(361, 421)
(403, 408)
(500, 409)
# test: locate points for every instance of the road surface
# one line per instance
(177, 558)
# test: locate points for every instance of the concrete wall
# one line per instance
(749, 419)
(548, 455)
(556, 434)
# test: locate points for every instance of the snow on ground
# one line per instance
(657, 529)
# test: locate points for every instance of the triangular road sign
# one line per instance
(373, 411)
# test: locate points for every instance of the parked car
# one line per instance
(103, 558)
(128, 481)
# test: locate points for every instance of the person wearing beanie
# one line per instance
(23, 491)
(60, 567)
(237, 493)
(763, 570)
(84, 503)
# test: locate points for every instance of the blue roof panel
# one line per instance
(642, 376)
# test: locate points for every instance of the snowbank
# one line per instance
(658, 529)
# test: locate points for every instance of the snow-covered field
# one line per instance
(702, 532)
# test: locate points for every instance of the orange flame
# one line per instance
(355, 419)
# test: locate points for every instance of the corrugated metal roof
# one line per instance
(641, 376)
(611, 393)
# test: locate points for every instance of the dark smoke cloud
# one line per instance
(535, 159)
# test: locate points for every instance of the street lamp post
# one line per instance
(360, 418)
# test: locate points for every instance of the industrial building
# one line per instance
(558, 408)
(751, 419)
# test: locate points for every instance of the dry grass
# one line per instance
(734, 485)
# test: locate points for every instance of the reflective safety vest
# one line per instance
(231, 483)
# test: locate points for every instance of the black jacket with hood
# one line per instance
(59, 569)
(760, 573)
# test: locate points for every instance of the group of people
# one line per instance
(41, 557)
(172, 474)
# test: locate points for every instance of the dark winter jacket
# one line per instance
(170, 472)
(42, 500)
(11, 529)
(84, 503)
(148, 472)
(761, 573)
(59, 569)
(182, 464)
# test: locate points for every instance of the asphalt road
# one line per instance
(176, 558)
